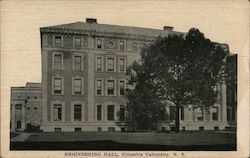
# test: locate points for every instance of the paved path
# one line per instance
(21, 137)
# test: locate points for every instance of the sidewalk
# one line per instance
(21, 137)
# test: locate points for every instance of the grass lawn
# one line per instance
(139, 140)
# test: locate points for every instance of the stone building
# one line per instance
(25, 106)
(84, 80)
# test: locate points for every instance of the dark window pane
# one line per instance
(122, 113)
(110, 87)
(122, 87)
(57, 112)
(77, 112)
(99, 87)
(110, 112)
(99, 112)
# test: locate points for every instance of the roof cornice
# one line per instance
(94, 33)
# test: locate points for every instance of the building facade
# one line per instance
(25, 107)
(84, 80)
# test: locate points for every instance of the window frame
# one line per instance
(53, 85)
(124, 66)
(124, 86)
(97, 65)
(217, 113)
(97, 44)
(107, 63)
(53, 60)
(72, 113)
(114, 87)
(96, 87)
(74, 62)
(121, 47)
(55, 40)
(123, 116)
(81, 86)
(110, 117)
(99, 114)
(200, 118)
(57, 106)
(75, 41)
(79, 112)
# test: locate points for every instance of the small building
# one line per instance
(26, 107)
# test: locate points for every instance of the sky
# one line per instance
(220, 21)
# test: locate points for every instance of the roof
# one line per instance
(29, 85)
(105, 28)
(33, 84)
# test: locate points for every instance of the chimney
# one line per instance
(170, 28)
(91, 20)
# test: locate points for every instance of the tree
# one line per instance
(177, 68)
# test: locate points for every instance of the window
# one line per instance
(99, 112)
(58, 40)
(172, 113)
(134, 46)
(58, 129)
(122, 113)
(199, 114)
(77, 112)
(215, 113)
(57, 112)
(77, 42)
(77, 62)
(201, 128)
(99, 43)
(58, 61)
(77, 86)
(19, 124)
(182, 113)
(122, 64)
(28, 108)
(99, 129)
(111, 63)
(99, 87)
(110, 87)
(57, 85)
(122, 87)
(98, 64)
(18, 107)
(122, 45)
(78, 129)
(110, 112)
(111, 129)
(35, 108)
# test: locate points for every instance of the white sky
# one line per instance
(225, 22)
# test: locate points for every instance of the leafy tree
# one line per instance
(183, 69)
